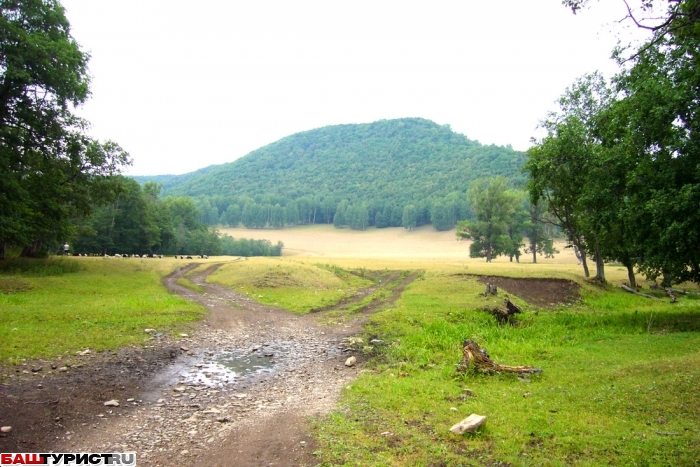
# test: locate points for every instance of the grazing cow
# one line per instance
(205, 257)
(189, 257)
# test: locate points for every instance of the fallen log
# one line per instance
(631, 290)
(474, 357)
(671, 295)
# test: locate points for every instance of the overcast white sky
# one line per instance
(182, 85)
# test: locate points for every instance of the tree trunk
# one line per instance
(581, 255)
(630, 276)
(488, 255)
(30, 250)
(533, 247)
(599, 266)
(667, 279)
(2, 251)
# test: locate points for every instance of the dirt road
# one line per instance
(237, 391)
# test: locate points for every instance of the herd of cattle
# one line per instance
(117, 255)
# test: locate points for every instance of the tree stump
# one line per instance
(474, 357)
(505, 315)
(491, 289)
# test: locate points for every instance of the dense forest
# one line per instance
(406, 172)
(137, 221)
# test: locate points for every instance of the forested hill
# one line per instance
(388, 173)
(393, 160)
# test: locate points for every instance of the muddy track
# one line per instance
(236, 392)
(382, 280)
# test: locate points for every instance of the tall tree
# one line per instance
(535, 230)
(494, 206)
(51, 172)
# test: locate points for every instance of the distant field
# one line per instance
(423, 248)
(424, 243)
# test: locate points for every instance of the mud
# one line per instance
(536, 291)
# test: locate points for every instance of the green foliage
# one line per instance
(410, 217)
(249, 247)
(137, 222)
(52, 174)
(383, 166)
(496, 209)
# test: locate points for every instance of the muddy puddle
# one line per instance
(233, 366)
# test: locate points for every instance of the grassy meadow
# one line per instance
(620, 373)
(50, 307)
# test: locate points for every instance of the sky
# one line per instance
(184, 85)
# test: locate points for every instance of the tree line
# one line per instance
(619, 166)
(277, 212)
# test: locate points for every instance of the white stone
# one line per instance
(351, 361)
(6, 429)
(469, 424)
(112, 403)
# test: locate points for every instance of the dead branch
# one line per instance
(631, 290)
(477, 358)
(671, 295)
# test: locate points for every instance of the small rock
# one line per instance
(37, 369)
(100, 415)
(180, 389)
(131, 399)
(149, 331)
(160, 401)
(184, 335)
(351, 361)
(112, 403)
(82, 353)
(223, 420)
(39, 386)
(6, 429)
(241, 395)
(53, 366)
(469, 424)
(184, 349)
(63, 369)
(454, 409)
(212, 410)
(527, 394)
(184, 452)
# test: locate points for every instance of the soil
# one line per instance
(174, 407)
(536, 291)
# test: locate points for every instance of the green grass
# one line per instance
(187, 283)
(86, 302)
(296, 286)
(609, 385)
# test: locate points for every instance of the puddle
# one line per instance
(229, 367)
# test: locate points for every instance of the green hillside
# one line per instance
(379, 167)
(390, 159)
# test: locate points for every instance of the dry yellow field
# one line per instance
(422, 248)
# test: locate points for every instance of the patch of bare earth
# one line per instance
(174, 408)
(536, 291)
